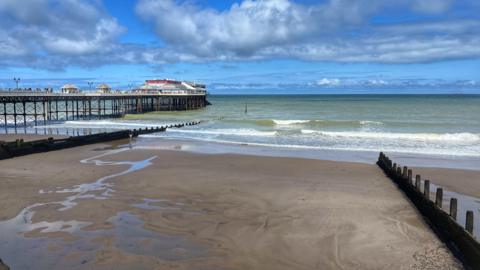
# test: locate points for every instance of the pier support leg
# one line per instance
(35, 112)
(15, 116)
(5, 115)
(24, 113)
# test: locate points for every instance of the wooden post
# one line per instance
(399, 171)
(417, 181)
(469, 222)
(453, 208)
(426, 189)
(439, 197)
(410, 177)
(405, 172)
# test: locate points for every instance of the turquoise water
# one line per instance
(417, 124)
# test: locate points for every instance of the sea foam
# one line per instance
(454, 137)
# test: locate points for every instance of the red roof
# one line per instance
(164, 81)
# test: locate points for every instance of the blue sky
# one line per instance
(275, 46)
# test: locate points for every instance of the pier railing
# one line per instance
(459, 238)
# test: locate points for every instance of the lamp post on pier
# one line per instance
(17, 80)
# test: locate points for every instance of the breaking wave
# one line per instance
(300, 122)
(453, 137)
(235, 132)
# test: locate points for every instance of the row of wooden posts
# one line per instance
(459, 238)
(20, 147)
(407, 175)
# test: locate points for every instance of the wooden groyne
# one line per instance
(459, 238)
(3, 266)
(23, 108)
(21, 148)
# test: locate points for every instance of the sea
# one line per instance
(427, 130)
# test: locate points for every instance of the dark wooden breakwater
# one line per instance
(23, 108)
(459, 238)
(21, 148)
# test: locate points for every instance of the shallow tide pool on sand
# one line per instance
(61, 244)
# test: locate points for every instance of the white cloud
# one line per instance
(37, 29)
(432, 6)
(354, 83)
(58, 33)
(328, 82)
(337, 30)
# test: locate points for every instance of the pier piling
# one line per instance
(21, 108)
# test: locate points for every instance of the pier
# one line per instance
(33, 108)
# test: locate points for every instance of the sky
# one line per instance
(245, 46)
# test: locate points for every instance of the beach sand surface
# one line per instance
(180, 210)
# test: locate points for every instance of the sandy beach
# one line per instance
(162, 209)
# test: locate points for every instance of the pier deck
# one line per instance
(27, 108)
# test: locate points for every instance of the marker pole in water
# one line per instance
(130, 140)
(246, 108)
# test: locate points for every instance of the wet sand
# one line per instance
(461, 181)
(27, 137)
(178, 210)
